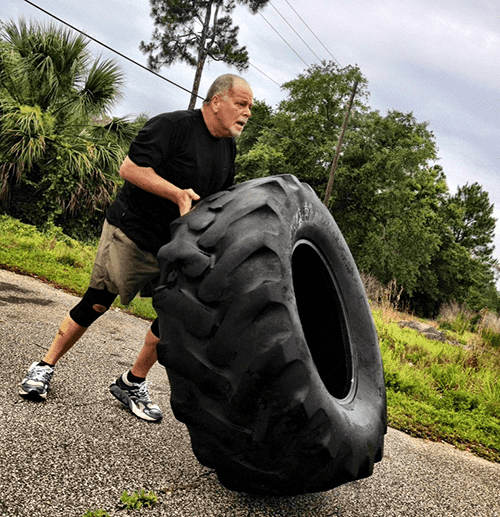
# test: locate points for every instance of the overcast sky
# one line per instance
(439, 59)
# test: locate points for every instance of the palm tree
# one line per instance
(59, 151)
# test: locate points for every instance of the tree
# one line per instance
(386, 188)
(390, 197)
(177, 37)
(255, 159)
(59, 151)
(473, 225)
(463, 270)
(301, 135)
(388, 191)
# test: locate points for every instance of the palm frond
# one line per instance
(102, 87)
(118, 129)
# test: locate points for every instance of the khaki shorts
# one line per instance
(122, 267)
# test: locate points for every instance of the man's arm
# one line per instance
(147, 179)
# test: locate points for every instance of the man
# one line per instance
(177, 158)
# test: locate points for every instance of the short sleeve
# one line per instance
(151, 146)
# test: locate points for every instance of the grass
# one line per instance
(53, 257)
(439, 391)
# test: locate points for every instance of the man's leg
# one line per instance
(68, 334)
(147, 356)
(93, 304)
(131, 388)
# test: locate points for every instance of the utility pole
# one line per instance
(339, 146)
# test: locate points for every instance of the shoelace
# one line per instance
(39, 373)
(142, 392)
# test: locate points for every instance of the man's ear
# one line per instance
(215, 102)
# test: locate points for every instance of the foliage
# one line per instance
(462, 271)
(473, 224)
(138, 499)
(390, 197)
(259, 122)
(177, 37)
(441, 391)
(59, 152)
(96, 513)
(455, 317)
(460, 319)
(302, 132)
(386, 196)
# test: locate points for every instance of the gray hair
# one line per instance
(222, 85)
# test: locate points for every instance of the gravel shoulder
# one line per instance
(79, 450)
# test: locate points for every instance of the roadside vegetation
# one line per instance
(442, 391)
(52, 256)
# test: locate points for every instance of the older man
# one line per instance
(177, 158)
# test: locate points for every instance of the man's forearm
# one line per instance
(147, 179)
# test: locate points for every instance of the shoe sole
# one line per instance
(33, 395)
(118, 393)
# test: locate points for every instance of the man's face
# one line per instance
(234, 109)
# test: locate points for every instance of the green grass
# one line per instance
(441, 391)
(54, 257)
(435, 390)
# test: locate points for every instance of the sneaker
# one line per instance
(136, 398)
(36, 383)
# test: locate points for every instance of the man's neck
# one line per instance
(210, 121)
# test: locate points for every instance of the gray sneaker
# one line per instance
(36, 383)
(136, 398)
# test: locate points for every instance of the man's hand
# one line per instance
(185, 200)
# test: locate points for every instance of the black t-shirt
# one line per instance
(181, 149)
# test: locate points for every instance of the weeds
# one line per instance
(135, 501)
(441, 391)
(138, 499)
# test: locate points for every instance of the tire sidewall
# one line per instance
(364, 406)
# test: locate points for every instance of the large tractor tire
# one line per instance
(269, 343)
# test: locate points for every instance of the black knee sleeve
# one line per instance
(94, 303)
(155, 329)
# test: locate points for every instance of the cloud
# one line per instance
(438, 59)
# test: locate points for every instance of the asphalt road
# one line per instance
(80, 450)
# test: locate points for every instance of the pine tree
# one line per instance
(191, 32)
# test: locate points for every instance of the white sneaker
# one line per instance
(36, 383)
(136, 398)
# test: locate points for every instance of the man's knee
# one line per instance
(94, 303)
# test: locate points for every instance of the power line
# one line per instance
(263, 73)
(282, 38)
(147, 69)
(312, 32)
(110, 48)
(303, 41)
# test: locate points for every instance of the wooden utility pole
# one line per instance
(329, 187)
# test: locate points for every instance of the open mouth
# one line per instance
(241, 124)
